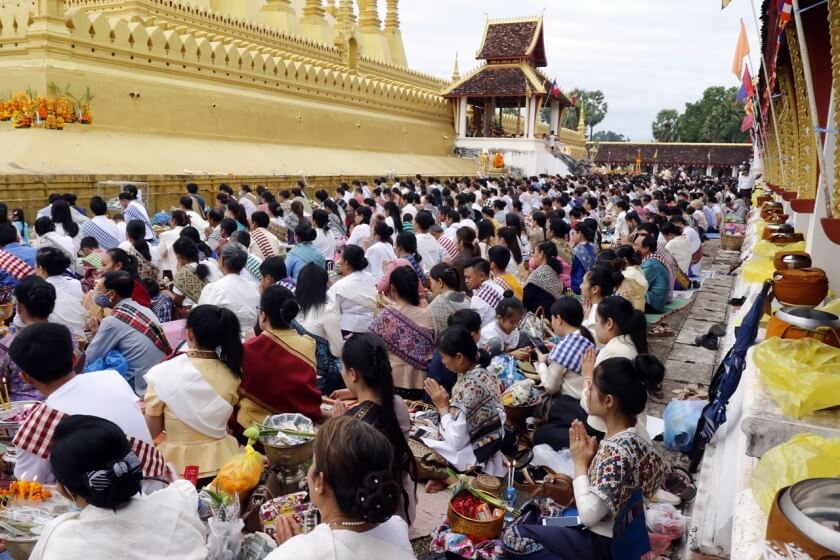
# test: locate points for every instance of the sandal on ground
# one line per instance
(660, 330)
(678, 481)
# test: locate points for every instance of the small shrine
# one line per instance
(509, 86)
(507, 109)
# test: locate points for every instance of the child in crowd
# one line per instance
(504, 331)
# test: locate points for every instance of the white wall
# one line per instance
(529, 155)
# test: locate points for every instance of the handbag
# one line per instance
(535, 325)
(630, 535)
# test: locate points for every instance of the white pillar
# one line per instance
(554, 118)
(527, 132)
(462, 117)
(708, 171)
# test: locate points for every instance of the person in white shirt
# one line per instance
(101, 227)
(133, 210)
(427, 246)
(232, 291)
(355, 292)
(247, 200)
(381, 252)
(486, 294)
(504, 330)
(177, 222)
(361, 230)
(622, 229)
(746, 184)
(678, 245)
(44, 353)
(196, 221)
(51, 265)
(324, 236)
(100, 473)
(263, 244)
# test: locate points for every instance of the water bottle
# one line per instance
(510, 501)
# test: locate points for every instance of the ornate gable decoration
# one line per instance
(514, 40)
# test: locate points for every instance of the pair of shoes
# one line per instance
(708, 341)
(737, 301)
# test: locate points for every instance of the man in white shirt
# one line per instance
(101, 227)
(44, 353)
(264, 244)
(427, 246)
(51, 264)
(196, 221)
(232, 291)
(746, 184)
(678, 245)
(486, 294)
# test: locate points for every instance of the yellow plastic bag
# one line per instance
(758, 269)
(241, 474)
(764, 248)
(833, 307)
(802, 376)
(804, 456)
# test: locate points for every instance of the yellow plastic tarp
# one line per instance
(760, 267)
(802, 376)
(764, 248)
(804, 456)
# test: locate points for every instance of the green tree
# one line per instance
(594, 107)
(608, 136)
(665, 126)
(715, 117)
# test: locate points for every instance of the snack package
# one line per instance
(295, 505)
(241, 474)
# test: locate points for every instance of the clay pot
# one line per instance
(777, 218)
(786, 238)
(796, 322)
(789, 260)
(773, 229)
(802, 287)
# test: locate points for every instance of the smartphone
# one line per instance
(569, 521)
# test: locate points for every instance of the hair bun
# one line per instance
(377, 497)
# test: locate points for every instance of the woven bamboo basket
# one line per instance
(729, 242)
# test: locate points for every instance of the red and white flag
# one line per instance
(785, 11)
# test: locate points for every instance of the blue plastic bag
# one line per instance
(161, 219)
(681, 422)
(112, 360)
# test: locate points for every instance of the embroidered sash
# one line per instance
(15, 266)
(405, 338)
(144, 267)
(135, 319)
(188, 282)
(36, 437)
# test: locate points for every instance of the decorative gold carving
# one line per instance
(788, 131)
(806, 161)
(834, 33)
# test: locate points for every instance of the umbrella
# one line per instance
(726, 379)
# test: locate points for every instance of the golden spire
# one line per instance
(456, 74)
(392, 17)
(346, 18)
(368, 16)
(581, 120)
(313, 8)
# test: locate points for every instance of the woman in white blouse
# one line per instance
(381, 252)
(361, 230)
(355, 293)
(324, 237)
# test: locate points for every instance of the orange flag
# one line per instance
(741, 50)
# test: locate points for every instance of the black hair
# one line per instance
(509, 305)
(43, 226)
(393, 211)
(218, 328)
(628, 320)
(570, 310)
(365, 212)
(383, 232)
(549, 249)
(83, 445)
(466, 236)
(649, 241)
(120, 281)
(512, 221)
(669, 228)
(280, 306)
(625, 256)
(500, 256)
(368, 355)
(467, 318)
(321, 219)
(53, 260)
(512, 242)
(238, 212)
(192, 188)
(274, 267)
(61, 214)
(587, 231)
(98, 206)
(44, 351)
(127, 262)
(408, 243)
(305, 233)
(481, 265)
(311, 287)
(447, 274)
(260, 219)
(356, 460)
(135, 231)
(151, 286)
(89, 242)
(559, 227)
(187, 202)
(36, 295)
(354, 256)
(186, 248)
(607, 279)
(225, 188)
(458, 340)
(228, 225)
(629, 381)
(486, 229)
(8, 233)
(180, 218)
(404, 280)
(424, 219)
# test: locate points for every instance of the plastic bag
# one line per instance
(241, 474)
(802, 375)
(665, 519)
(681, 422)
(225, 533)
(767, 249)
(518, 394)
(758, 269)
(558, 461)
(804, 456)
(112, 360)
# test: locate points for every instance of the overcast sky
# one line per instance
(645, 55)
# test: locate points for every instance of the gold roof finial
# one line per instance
(581, 128)
(456, 74)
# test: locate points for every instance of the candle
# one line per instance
(6, 392)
